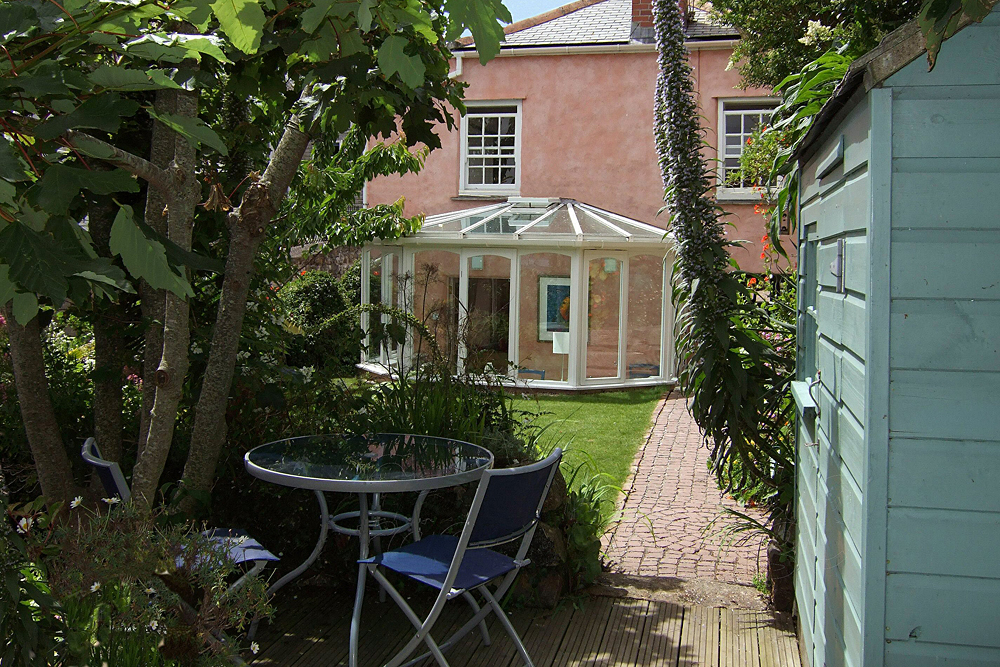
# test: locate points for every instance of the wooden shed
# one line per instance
(898, 514)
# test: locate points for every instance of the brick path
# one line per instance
(672, 489)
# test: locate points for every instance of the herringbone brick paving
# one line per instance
(670, 501)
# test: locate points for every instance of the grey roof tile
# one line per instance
(607, 22)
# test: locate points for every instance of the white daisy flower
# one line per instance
(76, 502)
(24, 525)
(96, 586)
(150, 591)
(112, 501)
(154, 625)
(254, 647)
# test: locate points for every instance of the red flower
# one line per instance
(752, 282)
(763, 255)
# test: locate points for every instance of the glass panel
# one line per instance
(543, 313)
(476, 176)
(487, 326)
(603, 308)
(491, 125)
(645, 310)
(732, 123)
(435, 302)
(557, 223)
(392, 296)
(374, 296)
(507, 125)
(475, 125)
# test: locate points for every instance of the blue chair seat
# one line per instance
(427, 561)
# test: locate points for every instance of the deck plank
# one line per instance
(313, 631)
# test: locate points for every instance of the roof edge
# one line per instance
(532, 21)
(896, 50)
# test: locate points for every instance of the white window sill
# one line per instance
(740, 196)
(466, 195)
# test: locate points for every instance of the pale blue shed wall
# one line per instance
(831, 452)
(899, 477)
(942, 591)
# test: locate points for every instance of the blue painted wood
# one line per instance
(942, 609)
(970, 541)
(946, 122)
(946, 264)
(877, 375)
(851, 445)
(945, 405)
(923, 654)
(842, 622)
(945, 193)
(944, 474)
(853, 385)
(952, 334)
(978, 44)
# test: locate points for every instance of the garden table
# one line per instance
(365, 465)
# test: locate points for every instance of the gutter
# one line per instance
(583, 49)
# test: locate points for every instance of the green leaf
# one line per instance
(25, 307)
(120, 78)
(12, 166)
(101, 112)
(242, 21)
(193, 129)
(479, 17)
(143, 258)
(392, 60)
(17, 20)
(37, 263)
(197, 12)
(60, 184)
(6, 286)
(176, 47)
(365, 14)
(313, 17)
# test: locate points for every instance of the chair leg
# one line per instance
(475, 610)
(507, 626)
(423, 628)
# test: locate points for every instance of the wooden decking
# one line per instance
(312, 630)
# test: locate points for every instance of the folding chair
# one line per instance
(506, 507)
(238, 546)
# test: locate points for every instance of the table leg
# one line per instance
(376, 506)
(359, 596)
(324, 528)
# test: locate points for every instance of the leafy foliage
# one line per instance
(775, 37)
(940, 19)
(310, 301)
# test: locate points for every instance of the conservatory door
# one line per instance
(606, 314)
(435, 303)
(486, 318)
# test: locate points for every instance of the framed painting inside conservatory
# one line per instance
(553, 306)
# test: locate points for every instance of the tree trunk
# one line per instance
(109, 342)
(51, 462)
(247, 227)
(161, 152)
(176, 333)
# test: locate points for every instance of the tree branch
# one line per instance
(135, 165)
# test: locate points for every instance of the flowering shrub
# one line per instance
(107, 585)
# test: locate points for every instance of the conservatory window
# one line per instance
(737, 121)
(491, 148)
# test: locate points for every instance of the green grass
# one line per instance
(609, 427)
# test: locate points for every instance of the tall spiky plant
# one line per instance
(736, 380)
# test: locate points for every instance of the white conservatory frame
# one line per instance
(601, 234)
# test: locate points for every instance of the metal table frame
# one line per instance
(362, 488)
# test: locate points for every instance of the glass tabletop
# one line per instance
(380, 462)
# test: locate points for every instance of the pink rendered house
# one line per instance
(568, 107)
(542, 256)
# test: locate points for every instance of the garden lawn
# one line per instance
(604, 429)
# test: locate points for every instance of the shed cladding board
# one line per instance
(835, 210)
(943, 573)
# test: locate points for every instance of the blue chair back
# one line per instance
(109, 472)
(510, 501)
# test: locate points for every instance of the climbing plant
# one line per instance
(735, 378)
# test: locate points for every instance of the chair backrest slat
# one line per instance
(109, 472)
(510, 501)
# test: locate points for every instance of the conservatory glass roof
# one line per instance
(539, 219)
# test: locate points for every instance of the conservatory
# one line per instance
(549, 293)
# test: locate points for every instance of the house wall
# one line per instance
(831, 453)
(943, 519)
(587, 135)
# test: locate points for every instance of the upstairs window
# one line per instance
(737, 121)
(491, 143)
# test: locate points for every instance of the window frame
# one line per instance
(724, 193)
(465, 188)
